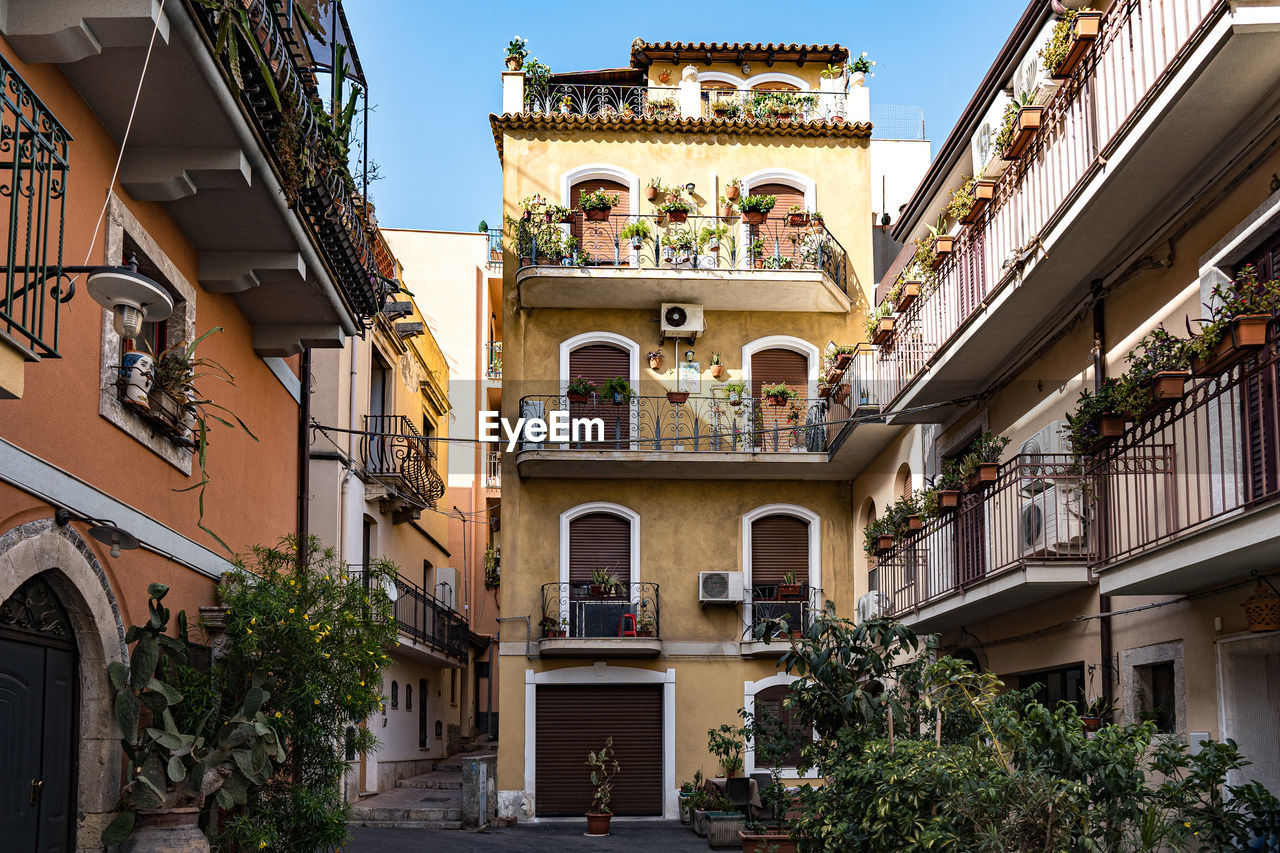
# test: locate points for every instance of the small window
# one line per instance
(482, 669)
(408, 697)
(1156, 697)
(453, 687)
(395, 695)
(774, 716)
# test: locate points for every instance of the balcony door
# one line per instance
(776, 426)
(970, 532)
(599, 363)
(599, 541)
(774, 233)
(600, 239)
(779, 547)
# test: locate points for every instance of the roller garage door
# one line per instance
(573, 721)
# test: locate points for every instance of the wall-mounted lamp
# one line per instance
(688, 355)
(105, 532)
(689, 187)
(746, 69)
(132, 298)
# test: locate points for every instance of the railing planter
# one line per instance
(753, 217)
(1084, 30)
(798, 220)
(884, 332)
(790, 591)
(598, 214)
(915, 522)
(942, 247)
(987, 472)
(678, 397)
(1248, 332)
(727, 211)
(1024, 130)
(948, 500)
(840, 393)
(983, 193)
(1167, 388)
(910, 293)
(136, 375)
(575, 397)
(884, 543)
(1109, 429)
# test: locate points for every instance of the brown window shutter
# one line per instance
(776, 86)
(575, 720)
(1265, 259)
(771, 366)
(1263, 455)
(770, 701)
(599, 363)
(599, 239)
(775, 232)
(599, 540)
(779, 544)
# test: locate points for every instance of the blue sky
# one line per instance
(434, 72)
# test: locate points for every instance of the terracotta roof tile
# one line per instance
(723, 51)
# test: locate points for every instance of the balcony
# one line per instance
(493, 360)
(495, 251)
(657, 436)
(768, 607)
(719, 262)
(1165, 89)
(402, 464)
(604, 100)
(493, 470)
(1026, 538)
(1192, 494)
(581, 619)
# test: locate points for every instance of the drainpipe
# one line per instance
(353, 414)
(528, 633)
(304, 457)
(1104, 601)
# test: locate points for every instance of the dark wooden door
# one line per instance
(599, 363)
(776, 426)
(573, 720)
(600, 239)
(1262, 434)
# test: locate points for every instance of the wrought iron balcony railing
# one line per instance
(495, 249)
(1039, 510)
(600, 100)
(584, 610)
(493, 361)
(1139, 42)
(394, 452)
(771, 605)
(326, 196)
(493, 470)
(33, 175)
(715, 423)
(780, 242)
(422, 617)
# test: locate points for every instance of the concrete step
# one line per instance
(439, 781)
(409, 824)
(378, 815)
(453, 764)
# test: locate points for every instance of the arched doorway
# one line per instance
(774, 234)
(38, 712)
(780, 428)
(598, 363)
(600, 239)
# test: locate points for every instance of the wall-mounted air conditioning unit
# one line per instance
(872, 605)
(720, 587)
(1051, 439)
(986, 160)
(1053, 523)
(682, 320)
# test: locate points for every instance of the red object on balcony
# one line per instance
(1024, 130)
(627, 625)
(843, 360)
(1167, 388)
(915, 522)
(1084, 29)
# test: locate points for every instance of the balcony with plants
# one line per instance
(777, 612)
(744, 256)
(1133, 100)
(602, 615)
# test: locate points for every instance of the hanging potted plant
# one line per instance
(1072, 36)
(597, 205)
(655, 359)
(880, 324)
(1158, 372)
(137, 372)
(618, 390)
(904, 294)
(1099, 417)
(735, 391)
(517, 50)
(603, 768)
(733, 189)
(981, 467)
(944, 495)
(755, 252)
(878, 536)
(840, 392)
(727, 210)
(778, 394)
(842, 356)
(754, 208)
(824, 389)
(653, 189)
(677, 397)
(634, 234)
(1094, 713)
(1238, 322)
(797, 216)
(717, 369)
(580, 389)
(681, 243)
(1021, 122)
(711, 236)
(911, 511)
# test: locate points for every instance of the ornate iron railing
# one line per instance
(738, 104)
(653, 241)
(1039, 510)
(699, 424)
(584, 610)
(598, 100)
(321, 190)
(493, 360)
(33, 174)
(495, 249)
(422, 617)
(393, 451)
(771, 605)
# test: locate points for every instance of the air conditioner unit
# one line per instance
(682, 321)
(720, 587)
(987, 162)
(872, 605)
(1050, 440)
(1053, 523)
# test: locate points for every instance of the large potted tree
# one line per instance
(604, 766)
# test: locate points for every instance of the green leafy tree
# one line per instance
(317, 637)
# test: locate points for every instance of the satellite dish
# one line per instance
(676, 316)
(389, 585)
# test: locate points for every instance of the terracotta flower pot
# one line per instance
(843, 360)
(840, 393)
(985, 475)
(575, 397)
(1084, 30)
(948, 500)
(797, 220)
(824, 391)
(650, 193)
(598, 824)
(884, 543)
(727, 211)
(771, 840)
(678, 215)
(753, 217)
(655, 363)
(910, 293)
(1024, 130)
(513, 64)
(1167, 388)
(717, 370)
(983, 193)
(732, 192)
(884, 332)
(915, 522)
(1091, 724)
(677, 396)
(598, 214)
(789, 591)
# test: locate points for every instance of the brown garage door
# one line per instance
(573, 721)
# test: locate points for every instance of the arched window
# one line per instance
(789, 733)
(600, 239)
(597, 539)
(778, 425)
(782, 565)
(598, 363)
(902, 482)
(395, 695)
(408, 697)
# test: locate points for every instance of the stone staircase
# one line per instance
(429, 801)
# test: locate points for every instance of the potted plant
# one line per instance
(655, 359)
(726, 108)
(1157, 374)
(717, 369)
(635, 234)
(733, 189)
(842, 356)
(137, 373)
(604, 766)
(840, 393)
(976, 196)
(553, 626)
(676, 208)
(904, 294)
(596, 205)
(176, 770)
(878, 536)
(755, 251)
(663, 108)
(646, 622)
(778, 394)
(1073, 34)
(705, 804)
(687, 799)
(1237, 324)
(860, 69)
(1095, 712)
(605, 583)
(677, 397)
(727, 744)
(653, 189)
(789, 589)
(754, 208)
(880, 324)
(618, 390)
(1099, 417)
(797, 216)
(711, 236)
(1021, 121)
(517, 50)
(580, 389)
(681, 244)
(735, 391)
(727, 210)
(944, 494)
(943, 243)
(909, 508)
(981, 466)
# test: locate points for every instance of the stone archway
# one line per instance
(68, 565)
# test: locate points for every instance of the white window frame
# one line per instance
(815, 551)
(602, 172)
(567, 517)
(750, 689)
(808, 350)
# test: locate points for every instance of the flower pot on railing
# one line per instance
(948, 500)
(677, 397)
(984, 476)
(598, 214)
(678, 215)
(777, 399)
(910, 293)
(983, 193)
(753, 217)
(824, 390)
(1109, 428)
(790, 591)
(567, 218)
(1246, 333)
(576, 397)
(884, 332)
(1084, 31)
(735, 399)
(840, 393)
(915, 522)
(843, 360)
(137, 371)
(1262, 609)
(1025, 127)
(797, 220)
(884, 543)
(732, 192)
(727, 211)
(1167, 388)
(526, 261)
(942, 249)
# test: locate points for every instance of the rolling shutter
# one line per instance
(769, 701)
(1263, 456)
(769, 367)
(774, 232)
(599, 363)
(572, 721)
(779, 544)
(599, 239)
(599, 541)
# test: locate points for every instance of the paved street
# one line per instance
(670, 837)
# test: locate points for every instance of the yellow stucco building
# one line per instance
(639, 560)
